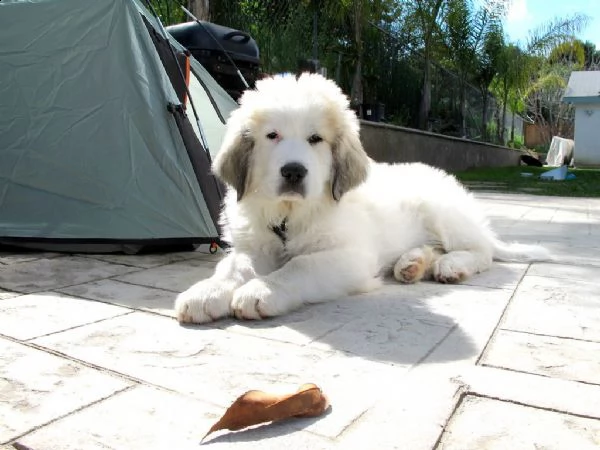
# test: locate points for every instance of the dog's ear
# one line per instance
(232, 164)
(350, 164)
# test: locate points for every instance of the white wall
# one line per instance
(587, 134)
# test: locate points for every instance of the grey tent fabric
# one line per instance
(89, 152)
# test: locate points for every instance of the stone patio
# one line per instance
(91, 357)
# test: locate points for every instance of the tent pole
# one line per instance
(181, 74)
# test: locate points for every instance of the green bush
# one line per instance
(516, 143)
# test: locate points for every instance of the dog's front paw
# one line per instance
(204, 302)
(257, 300)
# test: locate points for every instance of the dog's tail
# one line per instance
(515, 252)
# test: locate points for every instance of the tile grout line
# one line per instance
(48, 350)
(74, 327)
(112, 302)
(70, 413)
(524, 372)
(111, 277)
(105, 370)
(502, 317)
(531, 333)
(544, 408)
(462, 393)
(130, 283)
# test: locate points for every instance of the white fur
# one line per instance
(410, 219)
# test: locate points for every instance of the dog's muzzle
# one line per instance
(292, 175)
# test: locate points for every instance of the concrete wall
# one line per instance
(587, 143)
(388, 143)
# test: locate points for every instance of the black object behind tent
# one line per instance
(100, 149)
(216, 46)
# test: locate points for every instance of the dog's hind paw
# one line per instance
(415, 265)
(448, 271)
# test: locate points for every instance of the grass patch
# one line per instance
(509, 179)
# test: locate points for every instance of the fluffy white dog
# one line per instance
(310, 217)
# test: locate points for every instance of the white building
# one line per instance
(583, 91)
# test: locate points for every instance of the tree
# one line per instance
(514, 67)
(548, 36)
(201, 9)
(471, 36)
(591, 56)
(523, 70)
(544, 101)
(169, 11)
(487, 68)
(427, 14)
(570, 52)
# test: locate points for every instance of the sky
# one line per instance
(525, 15)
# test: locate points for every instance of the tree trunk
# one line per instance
(498, 123)
(425, 104)
(504, 105)
(428, 25)
(484, 116)
(356, 92)
(512, 127)
(463, 112)
(200, 9)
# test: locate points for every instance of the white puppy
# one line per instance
(310, 217)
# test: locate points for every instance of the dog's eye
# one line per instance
(272, 135)
(314, 139)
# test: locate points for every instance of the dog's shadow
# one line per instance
(398, 324)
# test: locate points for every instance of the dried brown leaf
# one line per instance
(256, 407)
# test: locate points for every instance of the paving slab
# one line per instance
(584, 252)
(557, 394)
(51, 273)
(320, 323)
(175, 277)
(411, 416)
(33, 315)
(570, 273)
(571, 359)
(395, 363)
(129, 295)
(487, 424)
(36, 388)
(217, 366)
(550, 306)
(501, 276)
(145, 419)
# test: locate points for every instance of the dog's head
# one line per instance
(293, 139)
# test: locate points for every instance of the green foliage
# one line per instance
(591, 56)
(517, 142)
(509, 179)
(569, 52)
(169, 11)
(549, 35)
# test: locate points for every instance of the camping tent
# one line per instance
(99, 146)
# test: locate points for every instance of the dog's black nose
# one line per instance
(293, 172)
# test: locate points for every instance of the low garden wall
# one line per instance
(389, 143)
